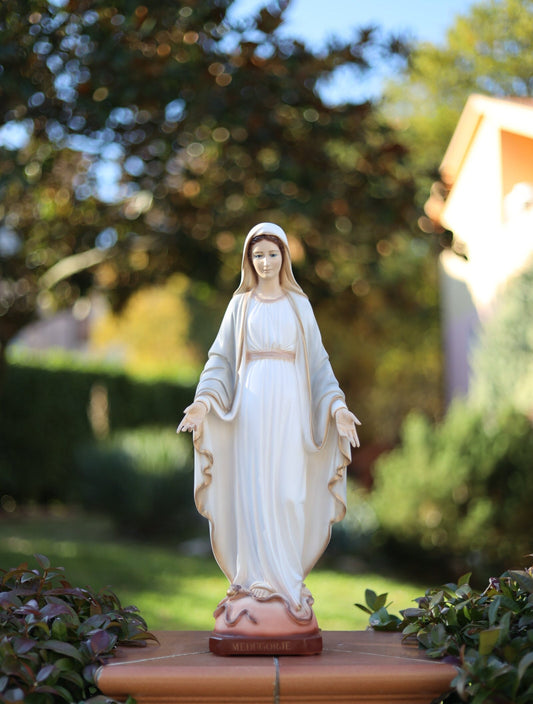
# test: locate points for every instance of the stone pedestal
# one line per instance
(354, 666)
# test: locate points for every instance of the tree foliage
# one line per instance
(150, 336)
(154, 135)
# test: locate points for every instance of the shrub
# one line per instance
(143, 479)
(464, 488)
(503, 360)
(54, 637)
(488, 635)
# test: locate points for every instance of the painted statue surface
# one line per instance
(272, 437)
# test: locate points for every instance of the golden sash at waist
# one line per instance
(286, 356)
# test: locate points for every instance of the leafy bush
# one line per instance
(463, 488)
(54, 637)
(353, 536)
(488, 635)
(503, 359)
(44, 418)
(143, 479)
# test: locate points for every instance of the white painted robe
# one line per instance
(269, 463)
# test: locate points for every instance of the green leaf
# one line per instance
(381, 620)
(505, 623)
(524, 579)
(73, 677)
(524, 664)
(28, 576)
(493, 610)
(370, 598)
(58, 690)
(424, 638)
(488, 639)
(465, 579)
(412, 612)
(40, 625)
(380, 601)
(59, 630)
(436, 599)
(464, 590)
(451, 616)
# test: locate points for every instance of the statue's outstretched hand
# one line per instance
(346, 426)
(193, 418)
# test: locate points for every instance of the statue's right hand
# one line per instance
(193, 418)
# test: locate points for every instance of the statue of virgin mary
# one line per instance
(272, 437)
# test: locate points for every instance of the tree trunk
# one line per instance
(3, 364)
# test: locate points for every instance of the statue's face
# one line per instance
(267, 259)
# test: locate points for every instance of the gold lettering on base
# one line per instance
(267, 646)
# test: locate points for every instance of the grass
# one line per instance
(173, 591)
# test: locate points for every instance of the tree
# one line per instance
(205, 129)
(486, 51)
(150, 336)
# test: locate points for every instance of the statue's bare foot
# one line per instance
(260, 592)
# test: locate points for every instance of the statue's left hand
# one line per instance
(193, 418)
(346, 426)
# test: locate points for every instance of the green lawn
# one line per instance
(172, 591)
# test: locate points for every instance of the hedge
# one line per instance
(44, 418)
(143, 480)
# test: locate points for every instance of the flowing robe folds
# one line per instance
(254, 519)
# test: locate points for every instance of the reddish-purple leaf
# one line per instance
(54, 610)
(42, 561)
(45, 672)
(23, 645)
(67, 649)
(8, 599)
(101, 641)
(14, 695)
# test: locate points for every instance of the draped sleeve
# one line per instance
(218, 380)
(323, 390)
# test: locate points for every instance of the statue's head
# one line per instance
(272, 233)
(273, 239)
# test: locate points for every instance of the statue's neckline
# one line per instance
(262, 299)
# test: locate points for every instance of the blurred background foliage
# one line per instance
(153, 136)
(50, 409)
(487, 50)
(140, 142)
(151, 335)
